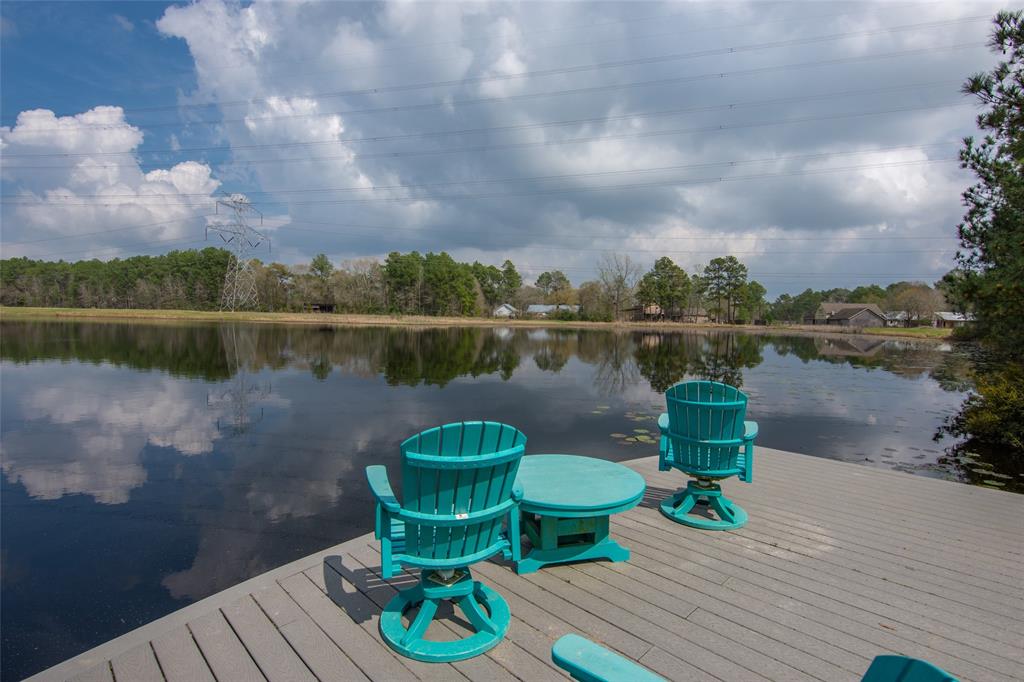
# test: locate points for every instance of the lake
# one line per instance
(146, 466)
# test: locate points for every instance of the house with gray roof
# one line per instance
(849, 315)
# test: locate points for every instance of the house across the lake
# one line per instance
(505, 310)
(653, 312)
(545, 310)
(949, 320)
(849, 315)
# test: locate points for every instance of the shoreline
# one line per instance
(426, 321)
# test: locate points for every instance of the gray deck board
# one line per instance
(138, 663)
(838, 564)
(825, 582)
(180, 659)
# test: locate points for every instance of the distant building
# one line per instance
(545, 310)
(653, 312)
(505, 310)
(948, 320)
(897, 318)
(849, 315)
(901, 318)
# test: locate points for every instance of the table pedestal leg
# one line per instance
(557, 540)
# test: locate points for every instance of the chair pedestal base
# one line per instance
(484, 608)
(730, 514)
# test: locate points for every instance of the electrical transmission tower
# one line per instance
(240, 279)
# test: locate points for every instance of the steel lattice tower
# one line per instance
(240, 280)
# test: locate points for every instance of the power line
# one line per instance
(98, 232)
(565, 176)
(506, 99)
(570, 190)
(561, 28)
(161, 242)
(631, 249)
(547, 143)
(623, 63)
(382, 228)
(541, 47)
(497, 129)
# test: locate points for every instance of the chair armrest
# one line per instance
(377, 477)
(663, 422)
(517, 492)
(750, 430)
(585, 660)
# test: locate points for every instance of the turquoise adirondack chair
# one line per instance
(703, 434)
(589, 662)
(904, 669)
(458, 485)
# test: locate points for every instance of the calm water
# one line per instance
(147, 466)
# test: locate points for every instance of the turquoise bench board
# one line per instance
(458, 490)
(589, 662)
(566, 504)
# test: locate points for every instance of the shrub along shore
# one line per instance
(333, 319)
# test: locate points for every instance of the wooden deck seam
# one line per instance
(833, 610)
(743, 497)
(202, 653)
(694, 610)
(841, 524)
(927, 510)
(807, 491)
(726, 544)
(779, 586)
(658, 627)
(925, 586)
(836, 514)
(795, 533)
(772, 620)
(242, 642)
(796, 481)
(156, 658)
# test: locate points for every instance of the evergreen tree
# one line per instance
(989, 278)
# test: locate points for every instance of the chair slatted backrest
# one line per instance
(706, 424)
(455, 469)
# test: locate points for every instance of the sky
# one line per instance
(815, 141)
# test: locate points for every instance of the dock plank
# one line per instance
(368, 653)
(138, 663)
(839, 563)
(180, 658)
(320, 654)
(97, 673)
(268, 647)
(223, 651)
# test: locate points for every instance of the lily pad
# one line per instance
(618, 435)
(641, 431)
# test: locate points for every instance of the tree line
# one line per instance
(436, 284)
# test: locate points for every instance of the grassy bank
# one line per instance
(322, 319)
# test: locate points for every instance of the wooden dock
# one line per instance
(839, 563)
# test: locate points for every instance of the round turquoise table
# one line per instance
(567, 500)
